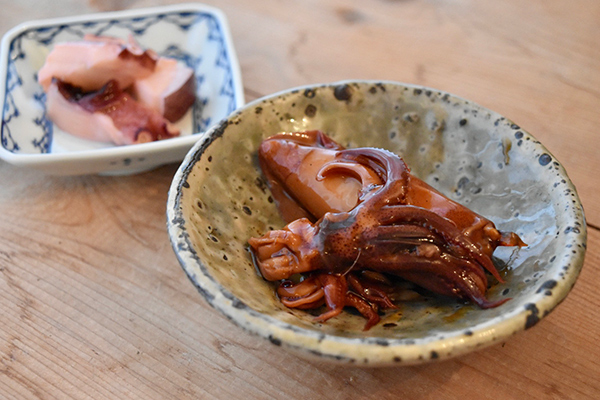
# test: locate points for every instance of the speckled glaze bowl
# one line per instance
(473, 155)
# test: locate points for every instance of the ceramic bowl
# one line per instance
(195, 34)
(473, 155)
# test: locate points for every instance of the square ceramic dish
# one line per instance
(195, 34)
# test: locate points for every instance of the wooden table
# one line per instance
(94, 304)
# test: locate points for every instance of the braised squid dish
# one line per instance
(359, 221)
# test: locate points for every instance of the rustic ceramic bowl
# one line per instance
(194, 34)
(475, 156)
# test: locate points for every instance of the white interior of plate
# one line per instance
(196, 35)
(474, 156)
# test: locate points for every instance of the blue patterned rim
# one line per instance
(47, 34)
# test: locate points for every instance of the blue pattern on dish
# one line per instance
(138, 27)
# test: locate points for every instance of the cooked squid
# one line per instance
(356, 214)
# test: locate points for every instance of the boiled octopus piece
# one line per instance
(170, 89)
(357, 211)
(90, 63)
(106, 115)
(164, 85)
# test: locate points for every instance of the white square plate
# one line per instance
(195, 34)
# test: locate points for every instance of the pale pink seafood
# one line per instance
(90, 63)
(106, 115)
(142, 92)
(170, 89)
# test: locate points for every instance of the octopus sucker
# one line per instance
(358, 222)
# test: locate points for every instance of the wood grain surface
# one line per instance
(93, 303)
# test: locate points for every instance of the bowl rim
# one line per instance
(108, 153)
(367, 351)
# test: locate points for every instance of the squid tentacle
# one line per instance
(391, 170)
(445, 274)
(335, 290)
(370, 292)
(408, 214)
(367, 310)
(337, 297)
(331, 290)
(304, 295)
